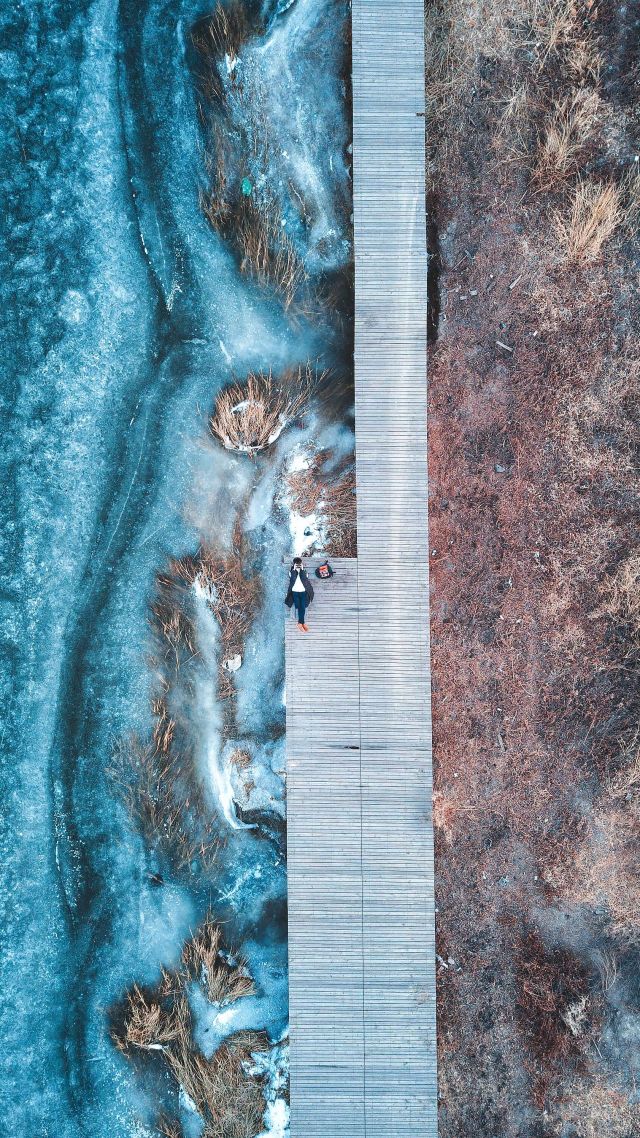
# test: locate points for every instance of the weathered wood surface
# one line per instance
(361, 901)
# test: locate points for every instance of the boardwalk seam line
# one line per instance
(364, 1018)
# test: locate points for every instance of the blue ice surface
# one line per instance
(125, 315)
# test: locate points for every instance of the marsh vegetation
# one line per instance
(534, 436)
(157, 1025)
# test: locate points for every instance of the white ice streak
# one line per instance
(208, 707)
(308, 531)
(254, 873)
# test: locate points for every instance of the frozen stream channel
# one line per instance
(127, 315)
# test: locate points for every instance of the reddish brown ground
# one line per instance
(534, 527)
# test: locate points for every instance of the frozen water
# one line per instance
(126, 315)
(311, 147)
(216, 1022)
(286, 85)
(260, 785)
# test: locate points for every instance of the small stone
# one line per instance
(500, 469)
(233, 663)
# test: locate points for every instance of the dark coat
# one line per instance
(308, 587)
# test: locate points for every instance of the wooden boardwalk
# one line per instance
(361, 903)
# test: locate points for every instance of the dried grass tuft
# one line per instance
(595, 212)
(252, 222)
(622, 598)
(340, 511)
(163, 794)
(227, 1096)
(223, 982)
(150, 1025)
(566, 133)
(596, 1109)
(232, 597)
(553, 1000)
(240, 759)
(229, 1100)
(249, 417)
(607, 969)
(556, 26)
(607, 868)
(220, 35)
(168, 1129)
(216, 201)
(173, 627)
(267, 253)
(164, 727)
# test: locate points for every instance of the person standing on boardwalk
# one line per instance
(300, 591)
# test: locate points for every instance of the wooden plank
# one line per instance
(361, 903)
(325, 880)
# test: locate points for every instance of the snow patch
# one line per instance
(308, 533)
(274, 1064)
(300, 460)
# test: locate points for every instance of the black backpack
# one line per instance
(324, 571)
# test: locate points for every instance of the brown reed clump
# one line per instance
(173, 627)
(253, 224)
(240, 759)
(252, 221)
(168, 1129)
(249, 417)
(157, 779)
(555, 1006)
(267, 253)
(150, 1023)
(340, 509)
(217, 200)
(220, 35)
(202, 960)
(227, 1096)
(229, 1100)
(595, 211)
(232, 597)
